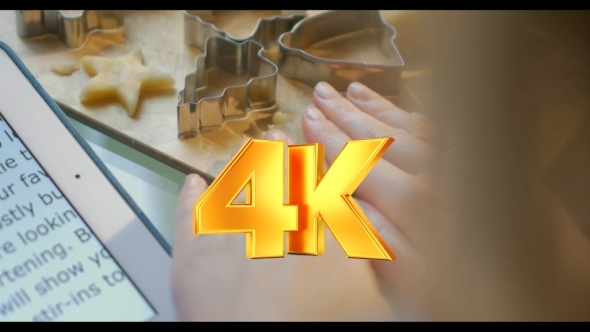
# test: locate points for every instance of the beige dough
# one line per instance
(122, 78)
(64, 69)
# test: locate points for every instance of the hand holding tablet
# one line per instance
(73, 246)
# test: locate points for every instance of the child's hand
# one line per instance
(410, 207)
(399, 196)
(213, 280)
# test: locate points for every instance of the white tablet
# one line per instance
(73, 245)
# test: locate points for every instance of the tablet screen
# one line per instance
(52, 267)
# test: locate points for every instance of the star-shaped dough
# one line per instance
(122, 78)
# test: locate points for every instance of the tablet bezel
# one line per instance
(107, 209)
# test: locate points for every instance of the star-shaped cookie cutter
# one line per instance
(267, 30)
(72, 31)
(296, 64)
(209, 113)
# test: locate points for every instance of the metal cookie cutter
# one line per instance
(298, 65)
(71, 30)
(267, 30)
(235, 102)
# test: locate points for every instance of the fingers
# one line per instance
(194, 187)
(389, 189)
(382, 109)
(407, 152)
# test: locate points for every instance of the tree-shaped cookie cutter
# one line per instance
(267, 30)
(298, 65)
(209, 113)
(72, 31)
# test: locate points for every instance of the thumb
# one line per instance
(194, 187)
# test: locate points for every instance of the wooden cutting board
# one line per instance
(153, 130)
